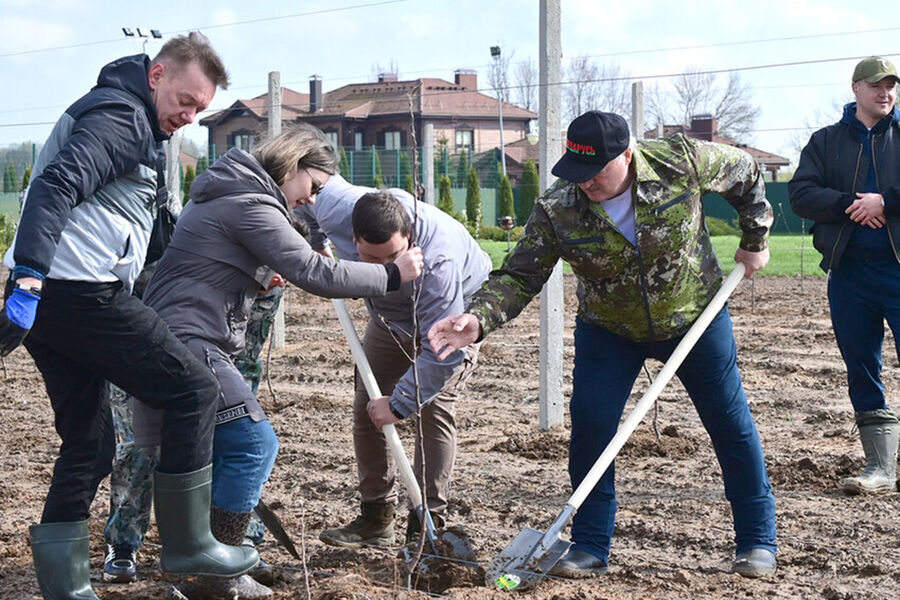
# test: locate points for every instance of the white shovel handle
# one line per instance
(666, 373)
(368, 378)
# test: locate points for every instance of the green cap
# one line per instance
(874, 69)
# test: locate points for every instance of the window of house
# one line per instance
(391, 140)
(463, 139)
(243, 141)
(358, 141)
(332, 137)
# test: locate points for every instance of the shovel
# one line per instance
(459, 546)
(530, 556)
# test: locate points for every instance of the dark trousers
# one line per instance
(862, 294)
(606, 367)
(87, 333)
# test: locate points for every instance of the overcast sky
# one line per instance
(51, 51)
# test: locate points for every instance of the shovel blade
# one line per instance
(451, 543)
(525, 561)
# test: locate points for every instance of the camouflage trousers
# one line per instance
(131, 482)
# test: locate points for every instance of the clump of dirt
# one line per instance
(672, 443)
(546, 445)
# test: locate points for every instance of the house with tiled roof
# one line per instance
(704, 127)
(359, 116)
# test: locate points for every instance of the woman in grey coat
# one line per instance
(231, 241)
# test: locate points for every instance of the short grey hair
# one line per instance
(301, 146)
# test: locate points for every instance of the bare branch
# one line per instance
(526, 76)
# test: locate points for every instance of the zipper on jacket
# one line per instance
(852, 190)
(644, 294)
(659, 209)
(878, 185)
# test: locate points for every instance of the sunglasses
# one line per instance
(316, 186)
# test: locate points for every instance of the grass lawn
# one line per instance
(790, 254)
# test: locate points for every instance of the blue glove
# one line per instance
(17, 318)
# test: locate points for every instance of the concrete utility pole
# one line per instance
(637, 110)
(428, 162)
(173, 167)
(274, 106)
(549, 129)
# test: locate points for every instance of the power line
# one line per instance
(208, 27)
(574, 82)
(746, 42)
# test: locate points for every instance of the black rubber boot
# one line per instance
(61, 553)
(879, 433)
(374, 527)
(182, 503)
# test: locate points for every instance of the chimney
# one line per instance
(387, 77)
(703, 127)
(466, 78)
(315, 93)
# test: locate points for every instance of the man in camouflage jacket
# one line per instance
(628, 219)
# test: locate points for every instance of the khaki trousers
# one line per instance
(375, 465)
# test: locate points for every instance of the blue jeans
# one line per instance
(606, 367)
(861, 295)
(244, 452)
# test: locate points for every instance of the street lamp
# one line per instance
(495, 52)
(143, 33)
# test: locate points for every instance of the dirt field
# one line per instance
(673, 536)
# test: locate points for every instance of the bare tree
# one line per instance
(593, 87)
(697, 93)
(526, 75)
(498, 75)
(581, 86)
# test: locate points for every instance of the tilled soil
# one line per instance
(673, 536)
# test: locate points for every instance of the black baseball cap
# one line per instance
(593, 139)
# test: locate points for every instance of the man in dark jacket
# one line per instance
(81, 242)
(848, 182)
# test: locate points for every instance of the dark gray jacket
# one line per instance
(230, 240)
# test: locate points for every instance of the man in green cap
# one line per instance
(848, 182)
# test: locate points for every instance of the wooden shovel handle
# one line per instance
(666, 373)
(368, 378)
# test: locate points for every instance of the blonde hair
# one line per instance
(301, 146)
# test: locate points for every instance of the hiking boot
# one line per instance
(879, 442)
(579, 564)
(414, 525)
(374, 527)
(120, 565)
(755, 562)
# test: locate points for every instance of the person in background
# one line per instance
(848, 183)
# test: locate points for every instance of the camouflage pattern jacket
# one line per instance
(652, 291)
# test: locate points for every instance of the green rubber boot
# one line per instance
(182, 502)
(374, 527)
(879, 432)
(61, 553)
